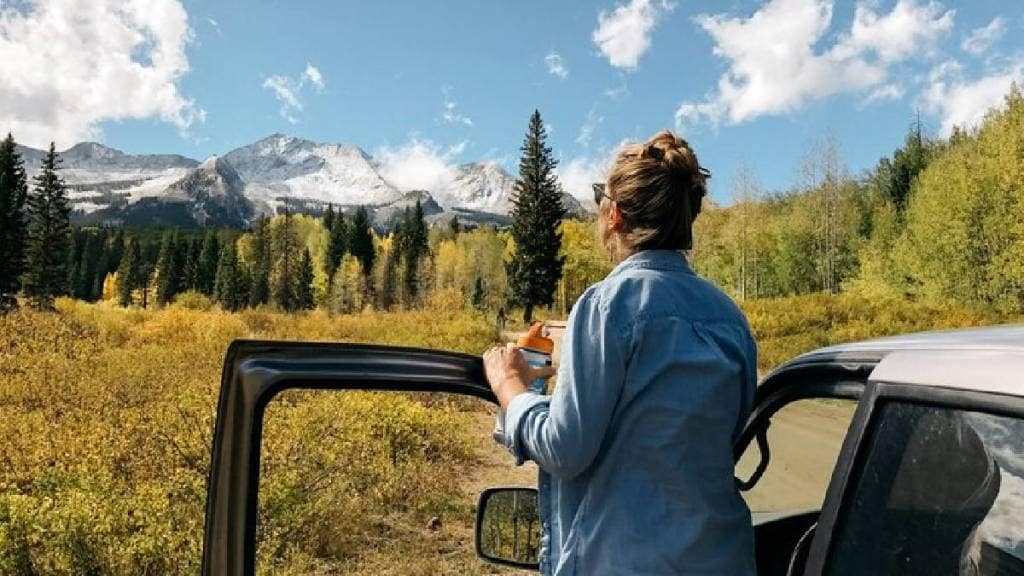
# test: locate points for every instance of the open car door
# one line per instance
(254, 372)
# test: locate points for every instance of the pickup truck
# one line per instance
(927, 476)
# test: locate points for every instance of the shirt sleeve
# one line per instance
(563, 436)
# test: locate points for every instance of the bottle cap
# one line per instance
(536, 340)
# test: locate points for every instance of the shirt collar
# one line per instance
(655, 260)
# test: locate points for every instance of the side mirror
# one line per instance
(508, 527)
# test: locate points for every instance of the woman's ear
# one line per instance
(615, 217)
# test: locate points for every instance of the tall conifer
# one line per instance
(305, 282)
(48, 235)
(129, 272)
(209, 257)
(284, 276)
(229, 282)
(13, 222)
(537, 212)
(168, 269)
(360, 240)
(336, 244)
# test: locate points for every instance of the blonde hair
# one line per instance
(658, 187)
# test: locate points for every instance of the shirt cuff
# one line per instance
(515, 413)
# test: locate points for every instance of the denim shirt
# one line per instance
(635, 446)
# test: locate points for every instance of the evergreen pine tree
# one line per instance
(13, 223)
(259, 273)
(229, 282)
(190, 272)
(102, 266)
(336, 243)
(76, 243)
(455, 225)
(414, 247)
(305, 282)
(360, 240)
(537, 212)
(284, 275)
(209, 258)
(168, 271)
(48, 235)
(129, 272)
(115, 251)
(328, 218)
(88, 269)
(479, 296)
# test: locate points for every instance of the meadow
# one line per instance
(107, 414)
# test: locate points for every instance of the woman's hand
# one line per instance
(509, 374)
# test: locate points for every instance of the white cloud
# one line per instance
(419, 165)
(288, 90)
(578, 174)
(556, 66)
(624, 35)
(591, 123)
(451, 115)
(886, 92)
(981, 39)
(618, 91)
(775, 65)
(69, 65)
(962, 102)
(909, 29)
(312, 73)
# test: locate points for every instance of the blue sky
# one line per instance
(424, 85)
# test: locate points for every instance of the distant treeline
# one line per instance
(940, 219)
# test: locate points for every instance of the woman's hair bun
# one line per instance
(659, 186)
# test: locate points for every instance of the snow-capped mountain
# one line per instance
(281, 166)
(107, 186)
(483, 186)
(215, 194)
(101, 177)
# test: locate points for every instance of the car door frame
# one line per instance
(254, 372)
(806, 377)
(850, 466)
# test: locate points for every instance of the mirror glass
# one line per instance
(509, 526)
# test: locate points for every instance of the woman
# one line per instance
(657, 376)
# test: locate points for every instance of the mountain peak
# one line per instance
(92, 151)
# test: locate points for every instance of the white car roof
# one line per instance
(989, 359)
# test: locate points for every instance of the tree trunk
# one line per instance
(528, 314)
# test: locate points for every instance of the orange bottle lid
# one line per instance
(536, 340)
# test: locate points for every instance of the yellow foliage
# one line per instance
(106, 415)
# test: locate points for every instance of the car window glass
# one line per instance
(941, 491)
(804, 439)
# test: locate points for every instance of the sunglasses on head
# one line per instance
(600, 194)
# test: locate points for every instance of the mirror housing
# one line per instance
(508, 528)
